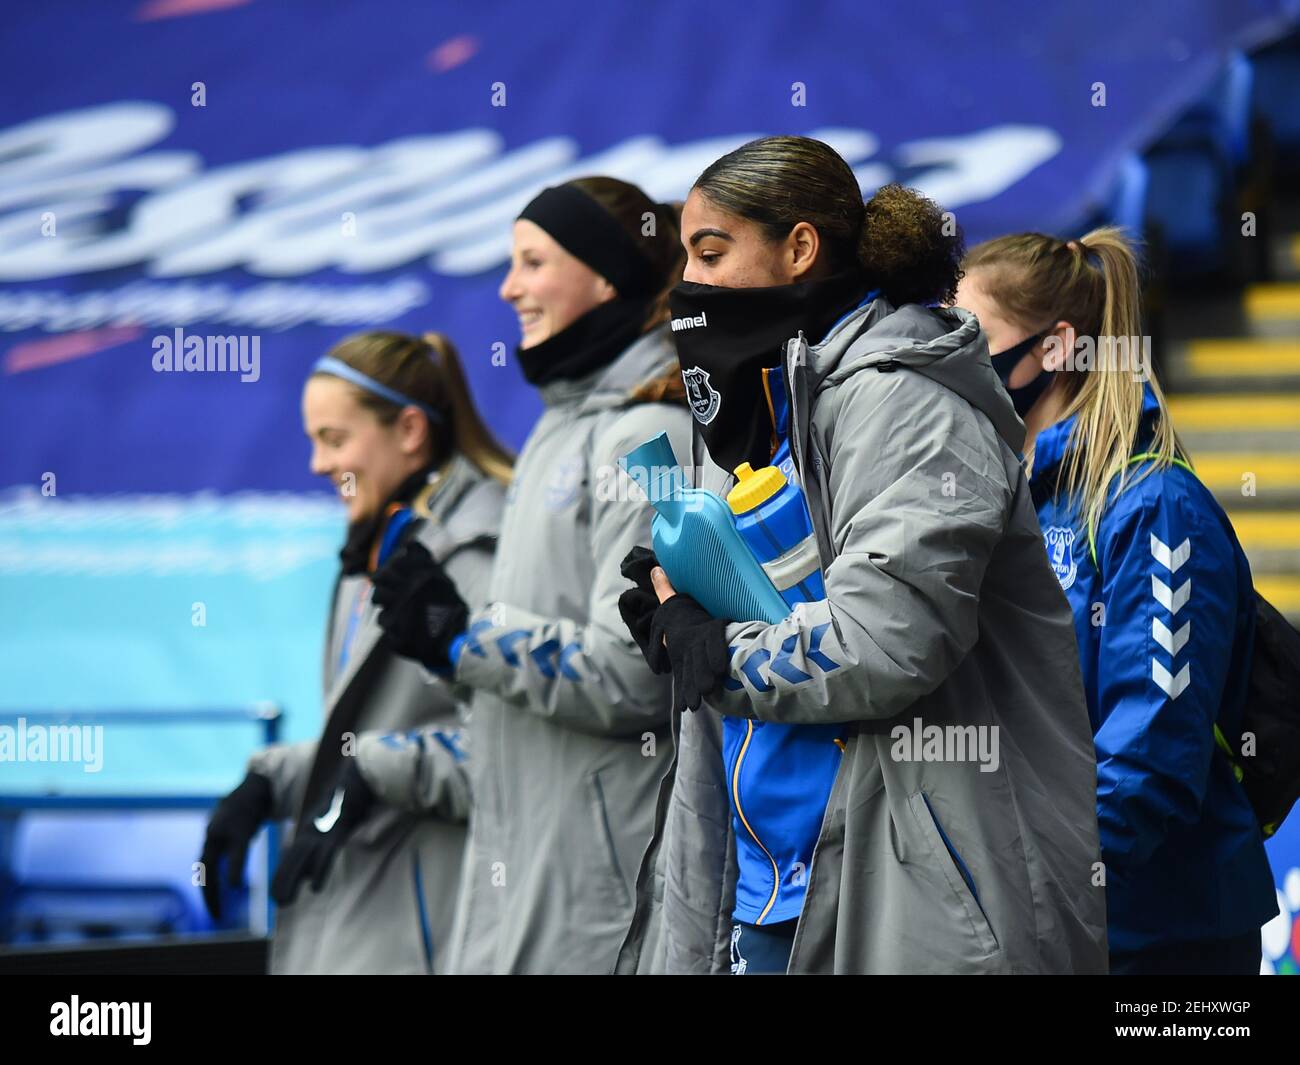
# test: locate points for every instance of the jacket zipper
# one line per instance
(426, 934)
(749, 725)
(811, 490)
(735, 792)
(794, 434)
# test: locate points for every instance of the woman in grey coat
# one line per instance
(569, 726)
(368, 881)
(931, 701)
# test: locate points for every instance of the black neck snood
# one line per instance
(362, 534)
(726, 337)
(585, 345)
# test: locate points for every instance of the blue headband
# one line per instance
(338, 368)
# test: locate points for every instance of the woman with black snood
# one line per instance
(907, 789)
(367, 882)
(568, 726)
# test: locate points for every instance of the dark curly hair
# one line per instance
(905, 243)
(911, 247)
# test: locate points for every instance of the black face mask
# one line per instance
(726, 337)
(586, 344)
(1004, 362)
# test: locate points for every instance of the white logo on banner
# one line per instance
(448, 197)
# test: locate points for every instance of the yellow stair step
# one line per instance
(1282, 590)
(1222, 471)
(1267, 528)
(1263, 410)
(1243, 358)
(1277, 300)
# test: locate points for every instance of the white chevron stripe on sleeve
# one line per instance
(1171, 560)
(1173, 686)
(1171, 601)
(1173, 642)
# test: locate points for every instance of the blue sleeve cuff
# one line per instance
(447, 672)
(453, 652)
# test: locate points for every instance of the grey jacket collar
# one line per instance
(452, 522)
(448, 484)
(943, 344)
(650, 355)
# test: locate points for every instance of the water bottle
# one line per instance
(695, 538)
(771, 515)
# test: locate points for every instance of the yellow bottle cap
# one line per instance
(754, 487)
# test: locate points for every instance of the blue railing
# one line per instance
(18, 797)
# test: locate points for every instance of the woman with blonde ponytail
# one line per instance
(379, 803)
(1161, 593)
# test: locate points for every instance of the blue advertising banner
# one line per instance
(280, 174)
(257, 179)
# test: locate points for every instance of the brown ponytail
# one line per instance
(656, 227)
(427, 369)
(910, 247)
(904, 243)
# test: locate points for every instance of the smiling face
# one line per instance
(728, 251)
(548, 288)
(363, 458)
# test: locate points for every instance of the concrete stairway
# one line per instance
(1232, 370)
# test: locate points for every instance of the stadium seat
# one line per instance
(132, 876)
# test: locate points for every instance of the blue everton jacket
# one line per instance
(779, 776)
(1164, 613)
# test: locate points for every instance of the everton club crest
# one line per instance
(702, 396)
(1060, 552)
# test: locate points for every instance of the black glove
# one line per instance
(234, 823)
(319, 838)
(637, 607)
(420, 610)
(697, 649)
(637, 567)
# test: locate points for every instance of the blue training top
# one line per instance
(1164, 616)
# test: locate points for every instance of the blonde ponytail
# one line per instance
(1092, 283)
(1109, 403)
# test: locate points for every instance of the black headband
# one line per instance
(588, 232)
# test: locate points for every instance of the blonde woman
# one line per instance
(368, 882)
(1161, 593)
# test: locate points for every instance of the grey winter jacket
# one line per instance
(569, 727)
(941, 609)
(388, 903)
